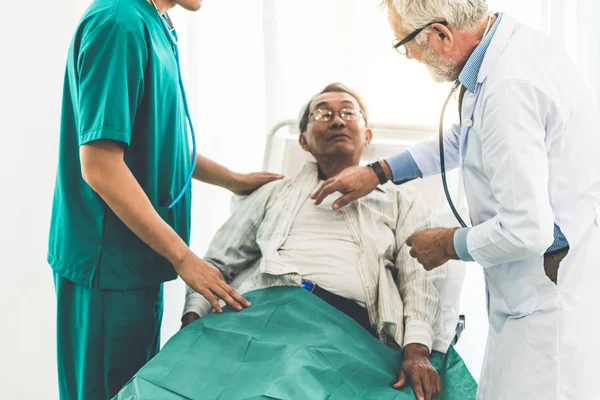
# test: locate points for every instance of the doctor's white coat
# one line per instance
(529, 150)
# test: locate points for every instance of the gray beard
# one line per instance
(437, 77)
(441, 71)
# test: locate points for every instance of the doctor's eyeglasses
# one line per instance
(324, 115)
(400, 45)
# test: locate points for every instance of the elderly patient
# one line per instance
(356, 258)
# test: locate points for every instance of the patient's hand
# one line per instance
(417, 370)
(188, 318)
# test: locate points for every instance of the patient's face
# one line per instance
(337, 137)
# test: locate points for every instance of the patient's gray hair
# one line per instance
(463, 15)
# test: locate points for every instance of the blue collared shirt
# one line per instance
(470, 72)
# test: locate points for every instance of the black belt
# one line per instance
(347, 306)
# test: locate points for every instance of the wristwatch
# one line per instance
(376, 166)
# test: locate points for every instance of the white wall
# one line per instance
(33, 48)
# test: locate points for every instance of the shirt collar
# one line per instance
(470, 72)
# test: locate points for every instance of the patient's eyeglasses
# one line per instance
(400, 45)
(324, 115)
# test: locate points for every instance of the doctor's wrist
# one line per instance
(387, 170)
(449, 248)
(379, 168)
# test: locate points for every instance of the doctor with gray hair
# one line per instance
(528, 147)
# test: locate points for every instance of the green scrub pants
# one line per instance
(104, 337)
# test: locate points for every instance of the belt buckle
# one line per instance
(308, 286)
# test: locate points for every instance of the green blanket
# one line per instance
(289, 345)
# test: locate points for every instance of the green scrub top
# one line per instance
(121, 84)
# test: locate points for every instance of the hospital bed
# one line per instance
(314, 356)
(284, 155)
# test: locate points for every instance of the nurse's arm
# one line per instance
(104, 169)
(242, 184)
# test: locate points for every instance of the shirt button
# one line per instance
(468, 123)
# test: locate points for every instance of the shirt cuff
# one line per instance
(196, 303)
(460, 244)
(418, 332)
(403, 167)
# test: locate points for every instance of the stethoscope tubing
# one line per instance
(171, 34)
(443, 160)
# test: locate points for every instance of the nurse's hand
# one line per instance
(416, 370)
(244, 184)
(353, 182)
(188, 318)
(208, 281)
(433, 247)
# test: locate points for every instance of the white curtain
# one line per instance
(572, 24)
(588, 40)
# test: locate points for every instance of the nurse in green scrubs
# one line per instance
(115, 234)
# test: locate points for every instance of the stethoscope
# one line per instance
(441, 141)
(172, 35)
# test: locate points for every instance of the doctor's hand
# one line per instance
(353, 182)
(208, 281)
(433, 247)
(416, 370)
(244, 184)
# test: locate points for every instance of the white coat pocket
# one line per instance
(517, 286)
